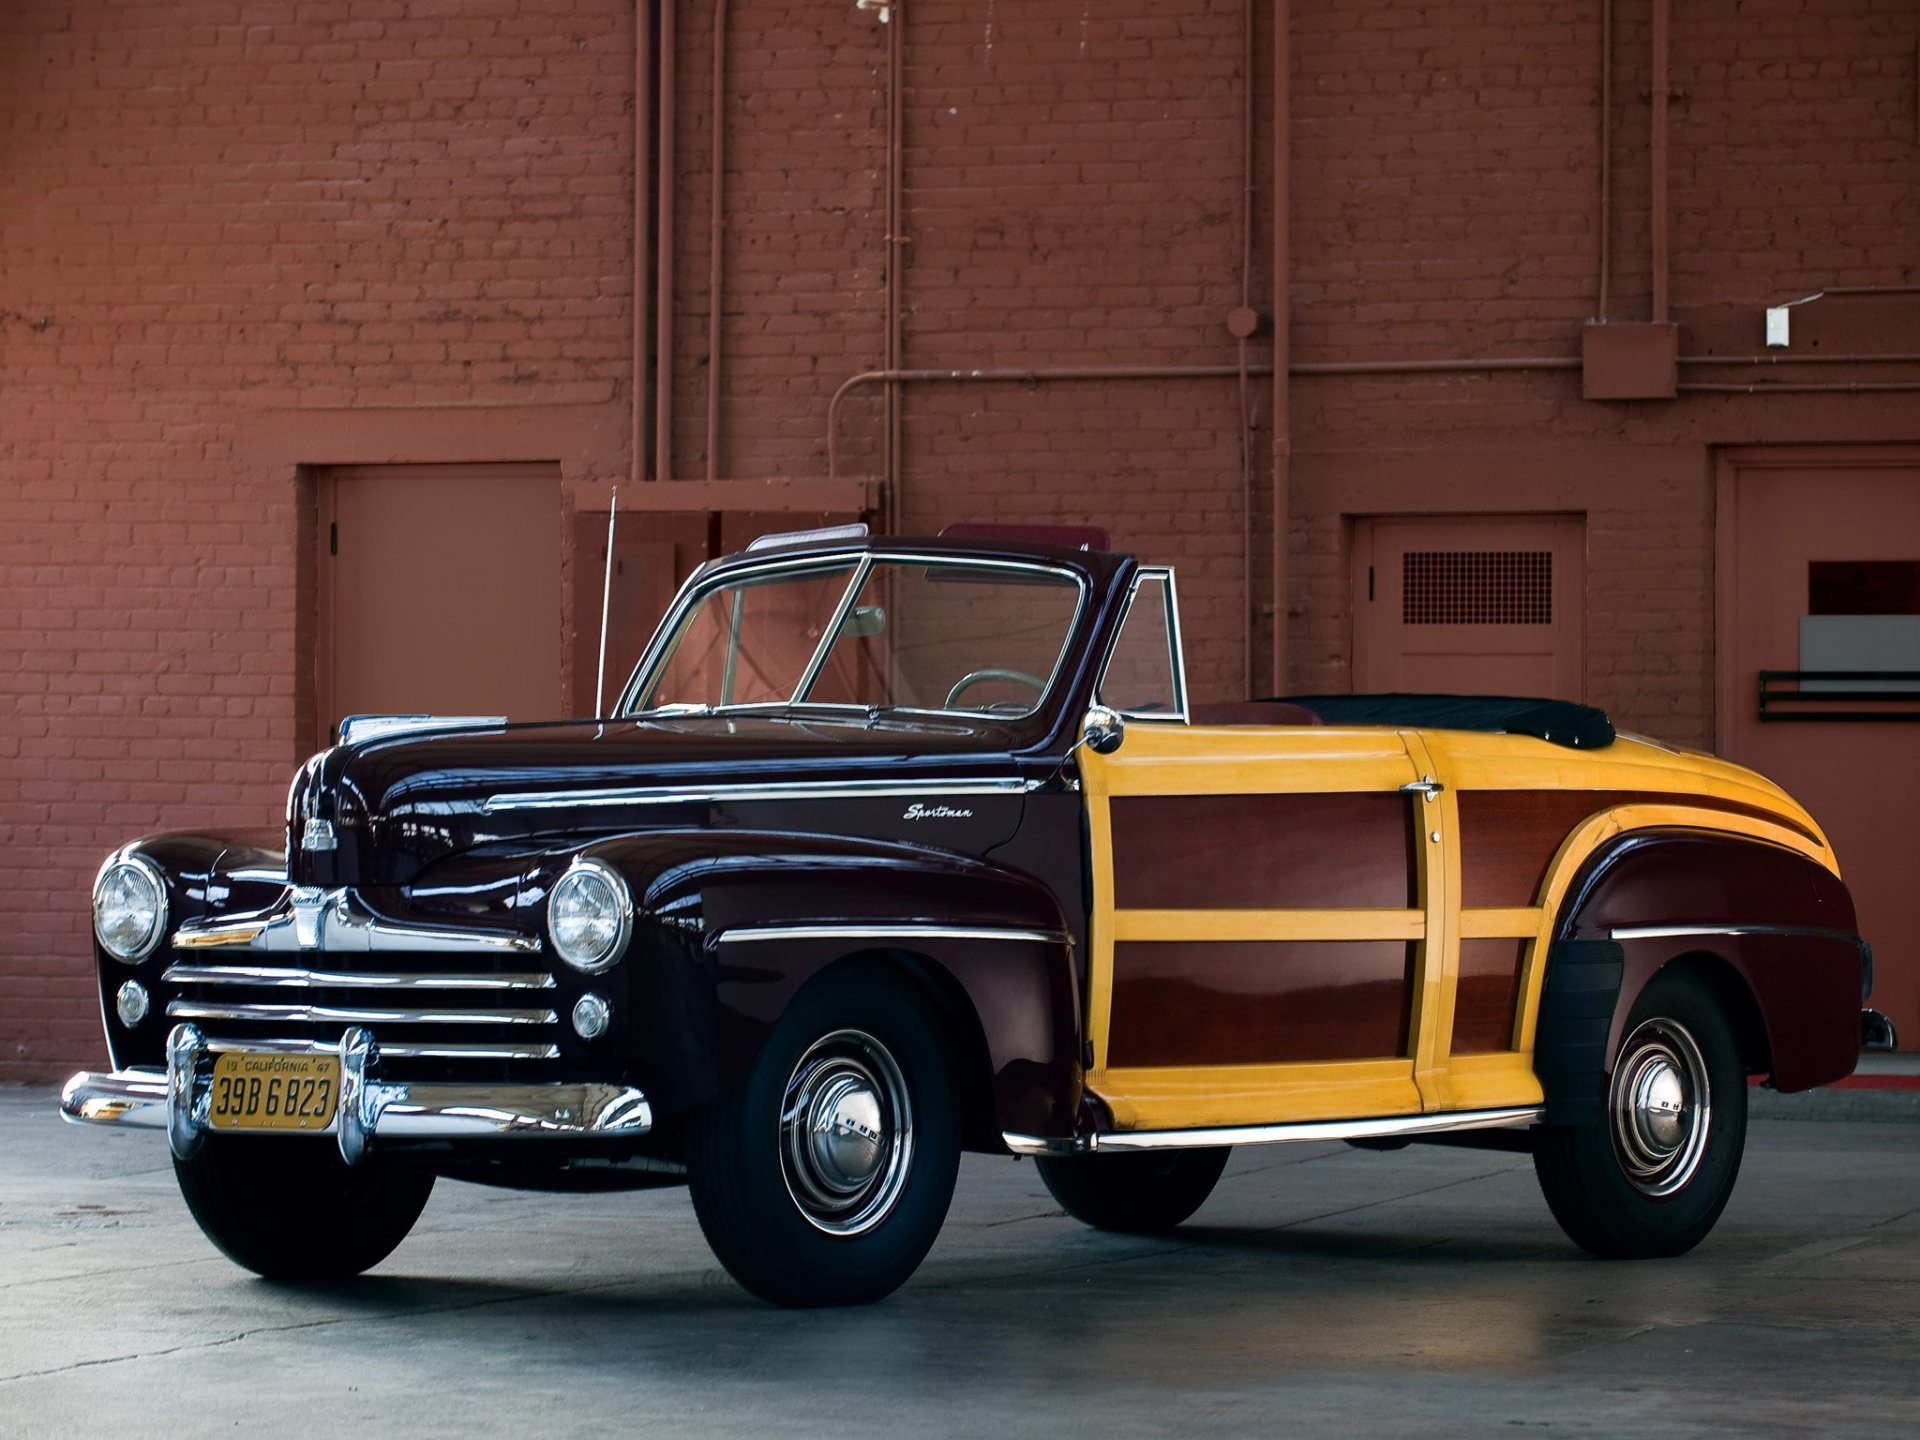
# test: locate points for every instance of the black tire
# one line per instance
(293, 1210)
(1144, 1194)
(824, 1176)
(1647, 1181)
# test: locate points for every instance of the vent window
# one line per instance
(1476, 587)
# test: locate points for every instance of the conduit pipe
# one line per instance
(1282, 325)
(642, 187)
(892, 378)
(663, 299)
(1243, 328)
(1836, 387)
(1606, 156)
(715, 224)
(894, 469)
(1660, 87)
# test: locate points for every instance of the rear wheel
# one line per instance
(823, 1178)
(1651, 1176)
(294, 1210)
(1140, 1194)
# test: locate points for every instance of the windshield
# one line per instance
(979, 637)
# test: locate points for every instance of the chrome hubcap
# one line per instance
(1661, 1107)
(846, 1133)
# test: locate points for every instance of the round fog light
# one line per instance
(131, 1003)
(591, 1016)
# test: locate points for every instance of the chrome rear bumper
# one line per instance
(176, 1100)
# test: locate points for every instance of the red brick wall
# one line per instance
(240, 241)
(218, 224)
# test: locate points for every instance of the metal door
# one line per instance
(1819, 561)
(439, 592)
(1468, 605)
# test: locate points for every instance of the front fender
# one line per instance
(1781, 923)
(730, 925)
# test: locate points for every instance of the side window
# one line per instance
(1144, 676)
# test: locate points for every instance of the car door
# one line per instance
(1268, 935)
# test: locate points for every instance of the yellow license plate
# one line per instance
(255, 1091)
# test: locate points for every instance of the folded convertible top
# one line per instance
(1578, 727)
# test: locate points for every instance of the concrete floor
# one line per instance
(1321, 1291)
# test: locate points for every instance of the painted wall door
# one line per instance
(439, 592)
(1819, 560)
(1469, 605)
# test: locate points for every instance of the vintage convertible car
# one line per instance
(895, 848)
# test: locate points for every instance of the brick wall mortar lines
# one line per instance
(212, 217)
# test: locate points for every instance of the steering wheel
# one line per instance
(994, 672)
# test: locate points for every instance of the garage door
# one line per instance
(1819, 591)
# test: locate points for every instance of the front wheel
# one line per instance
(823, 1178)
(1651, 1176)
(294, 1210)
(1143, 1194)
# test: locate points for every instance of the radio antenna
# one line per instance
(606, 604)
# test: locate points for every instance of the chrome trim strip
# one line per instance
(356, 728)
(643, 680)
(404, 1112)
(351, 1015)
(766, 790)
(1177, 658)
(278, 977)
(307, 918)
(1687, 932)
(258, 877)
(1126, 1141)
(818, 661)
(425, 1050)
(886, 932)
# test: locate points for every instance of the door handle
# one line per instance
(1426, 785)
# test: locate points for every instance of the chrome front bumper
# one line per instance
(176, 1100)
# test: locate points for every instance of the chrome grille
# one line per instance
(423, 1014)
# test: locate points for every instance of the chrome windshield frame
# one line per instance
(649, 672)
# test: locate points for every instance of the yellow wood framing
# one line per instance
(1201, 760)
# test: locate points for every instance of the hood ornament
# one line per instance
(318, 835)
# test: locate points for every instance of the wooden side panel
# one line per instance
(1509, 837)
(1489, 989)
(1179, 1003)
(1263, 852)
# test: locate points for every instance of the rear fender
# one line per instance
(1770, 927)
(730, 926)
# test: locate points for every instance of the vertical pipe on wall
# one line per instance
(890, 497)
(1606, 157)
(642, 192)
(1661, 15)
(1243, 332)
(716, 220)
(663, 298)
(1282, 305)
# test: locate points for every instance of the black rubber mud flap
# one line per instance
(1576, 1013)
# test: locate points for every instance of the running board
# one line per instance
(1390, 1127)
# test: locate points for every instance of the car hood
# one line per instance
(397, 803)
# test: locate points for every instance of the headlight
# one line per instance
(590, 916)
(129, 908)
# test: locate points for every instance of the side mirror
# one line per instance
(864, 622)
(1104, 730)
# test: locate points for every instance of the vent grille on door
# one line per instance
(1476, 587)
